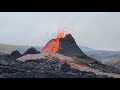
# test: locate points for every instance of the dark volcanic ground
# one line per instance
(43, 68)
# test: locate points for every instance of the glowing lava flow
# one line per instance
(53, 45)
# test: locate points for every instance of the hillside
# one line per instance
(102, 55)
(111, 58)
(114, 61)
(6, 48)
(86, 49)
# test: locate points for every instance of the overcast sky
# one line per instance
(97, 30)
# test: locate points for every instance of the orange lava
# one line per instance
(49, 55)
(61, 35)
(81, 65)
(53, 45)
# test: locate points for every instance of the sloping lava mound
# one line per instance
(69, 46)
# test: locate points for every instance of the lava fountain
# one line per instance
(53, 45)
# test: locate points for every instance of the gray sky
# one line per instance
(97, 30)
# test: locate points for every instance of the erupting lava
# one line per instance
(53, 45)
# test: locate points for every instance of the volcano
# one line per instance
(60, 57)
(64, 44)
(65, 50)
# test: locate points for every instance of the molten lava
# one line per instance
(53, 45)
(61, 35)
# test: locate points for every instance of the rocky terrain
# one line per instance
(111, 58)
(68, 62)
(42, 68)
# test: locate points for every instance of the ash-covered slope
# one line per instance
(69, 46)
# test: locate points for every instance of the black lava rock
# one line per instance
(31, 50)
(16, 54)
(65, 67)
